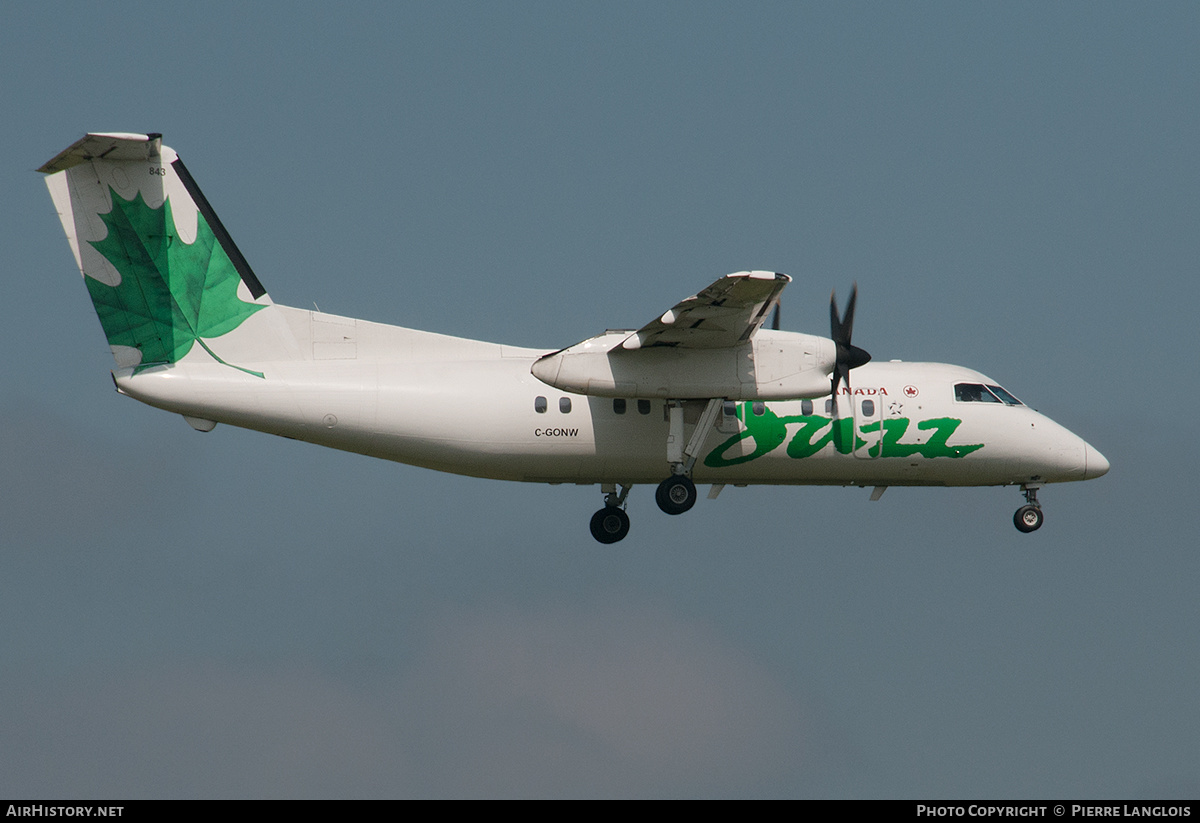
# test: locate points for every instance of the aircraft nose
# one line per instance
(1094, 463)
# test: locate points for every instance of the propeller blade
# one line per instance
(848, 317)
(841, 329)
(775, 317)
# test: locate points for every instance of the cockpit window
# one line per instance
(979, 393)
(973, 393)
(1005, 396)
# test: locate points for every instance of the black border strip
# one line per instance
(218, 229)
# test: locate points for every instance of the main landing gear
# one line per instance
(677, 493)
(611, 523)
(1029, 517)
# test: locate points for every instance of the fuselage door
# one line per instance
(868, 413)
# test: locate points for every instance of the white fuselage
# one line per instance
(473, 408)
(701, 393)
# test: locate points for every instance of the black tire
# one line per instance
(610, 524)
(1028, 519)
(676, 494)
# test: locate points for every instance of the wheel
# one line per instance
(676, 494)
(610, 524)
(1028, 519)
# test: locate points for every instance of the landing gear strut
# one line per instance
(677, 493)
(1029, 517)
(611, 523)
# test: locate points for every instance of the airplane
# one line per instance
(701, 394)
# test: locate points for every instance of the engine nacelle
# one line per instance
(771, 366)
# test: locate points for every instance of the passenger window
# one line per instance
(806, 407)
(643, 407)
(564, 405)
(619, 405)
(760, 408)
(539, 404)
(729, 408)
(868, 408)
(829, 406)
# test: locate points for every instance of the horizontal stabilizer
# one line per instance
(112, 147)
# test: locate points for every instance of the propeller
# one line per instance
(775, 316)
(848, 356)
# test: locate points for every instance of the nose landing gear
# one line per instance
(1029, 517)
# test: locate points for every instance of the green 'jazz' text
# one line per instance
(767, 431)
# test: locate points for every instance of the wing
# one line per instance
(725, 314)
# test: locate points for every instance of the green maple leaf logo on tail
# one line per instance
(172, 294)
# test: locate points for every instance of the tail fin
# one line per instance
(162, 271)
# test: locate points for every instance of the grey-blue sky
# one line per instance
(1014, 187)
